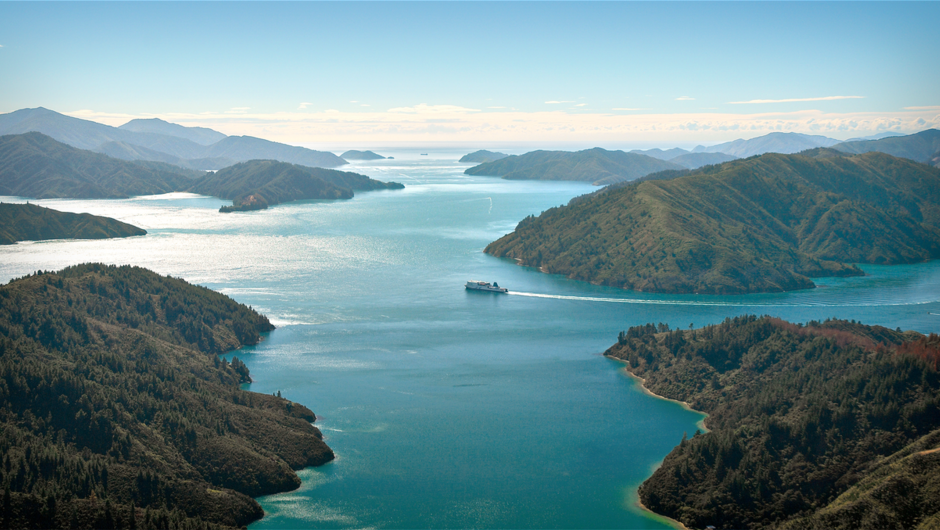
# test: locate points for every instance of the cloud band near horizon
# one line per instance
(454, 124)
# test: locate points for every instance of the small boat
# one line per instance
(494, 287)
(424, 154)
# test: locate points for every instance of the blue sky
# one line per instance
(578, 73)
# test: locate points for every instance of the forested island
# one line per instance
(481, 156)
(352, 154)
(831, 424)
(29, 222)
(597, 166)
(257, 184)
(117, 411)
(764, 224)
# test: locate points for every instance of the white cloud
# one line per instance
(580, 104)
(684, 98)
(354, 101)
(793, 100)
(557, 102)
(304, 105)
(935, 107)
(424, 108)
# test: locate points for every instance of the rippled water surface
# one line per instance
(448, 408)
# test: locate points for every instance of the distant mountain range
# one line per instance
(784, 143)
(762, 224)
(190, 147)
(921, 147)
(686, 159)
(481, 156)
(352, 154)
(29, 222)
(597, 166)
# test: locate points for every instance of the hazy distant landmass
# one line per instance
(825, 425)
(921, 147)
(597, 166)
(777, 142)
(878, 136)
(29, 222)
(114, 396)
(360, 155)
(200, 135)
(697, 160)
(161, 141)
(667, 154)
(35, 165)
(763, 224)
(481, 156)
(258, 184)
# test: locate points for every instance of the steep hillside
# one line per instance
(258, 184)
(798, 415)
(597, 166)
(35, 165)
(112, 395)
(29, 222)
(763, 224)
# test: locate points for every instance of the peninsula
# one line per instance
(29, 222)
(763, 224)
(597, 166)
(257, 184)
(826, 425)
(481, 156)
(115, 401)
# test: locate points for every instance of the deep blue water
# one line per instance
(448, 408)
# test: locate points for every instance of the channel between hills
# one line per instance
(117, 410)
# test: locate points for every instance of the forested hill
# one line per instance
(34, 165)
(921, 147)
(826, 425)
(597, 166)
(112, 396)
(259, 183)
(763, 224)
(29, 222)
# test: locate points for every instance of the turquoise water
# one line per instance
(448, 408)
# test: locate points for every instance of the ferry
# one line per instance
(486, 286)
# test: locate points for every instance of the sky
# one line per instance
(491, 74)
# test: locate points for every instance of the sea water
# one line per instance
(448, 408)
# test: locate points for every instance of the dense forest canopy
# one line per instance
(826, 425)
(29, 222)
(112, 396)
(763, 224)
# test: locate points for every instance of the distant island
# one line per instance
(826, 425)
(257, 184)
(597, 166)
(361, 155)
(481, 156)
(29, 222)
(763, 224)
(35, 165)
(119, 412)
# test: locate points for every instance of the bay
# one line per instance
(448, 408)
